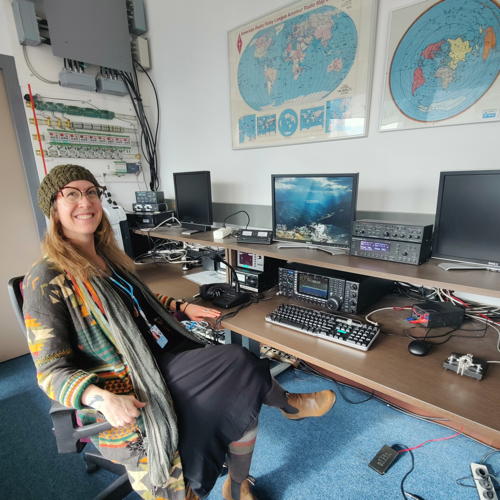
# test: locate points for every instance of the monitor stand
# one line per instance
(189, 228)
(455, 266)
(323, 248)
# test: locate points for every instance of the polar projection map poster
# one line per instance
(443, 65)
(302, 73)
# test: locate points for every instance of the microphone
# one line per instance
(230, 298)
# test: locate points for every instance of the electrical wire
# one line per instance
(408, 473)
(236, 213)
(474, 311)
(220, 319)
(34, 71)
(430, 441)
(394, 308)
(148, 138)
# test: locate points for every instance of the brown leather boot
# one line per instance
(245, 490)
(314, 404)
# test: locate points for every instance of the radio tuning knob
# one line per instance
(333, 303)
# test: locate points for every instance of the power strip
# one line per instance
(483, 482)
(222, 232)
(277, 355)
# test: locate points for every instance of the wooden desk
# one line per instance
(428, 274)
(417, 383)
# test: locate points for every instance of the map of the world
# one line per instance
(295, 72)
(447, 60)
(299, 60)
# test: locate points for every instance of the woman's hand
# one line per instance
(118, 409)
(199, 313)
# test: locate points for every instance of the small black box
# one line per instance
(144, 220)
(432, 314)
(384, 458)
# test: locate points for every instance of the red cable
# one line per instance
(32, 102)
(465, 304)
(430, 441)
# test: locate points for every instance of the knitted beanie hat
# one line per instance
(56, 179)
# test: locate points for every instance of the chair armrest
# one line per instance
(67, 431)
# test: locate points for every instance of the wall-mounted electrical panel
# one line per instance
(87, 33)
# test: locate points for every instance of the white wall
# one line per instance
(399, 171)
(121, 187)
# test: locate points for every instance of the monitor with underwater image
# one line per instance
(318, 209)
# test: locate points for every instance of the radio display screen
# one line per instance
(374, 246)
(245, 259)
(313, 285)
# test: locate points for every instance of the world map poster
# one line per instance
(302, 73)
(443, 65)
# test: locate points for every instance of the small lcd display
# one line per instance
(374, 246)
(313, 285)
(245, 259)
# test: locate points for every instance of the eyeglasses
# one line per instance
(73, 195)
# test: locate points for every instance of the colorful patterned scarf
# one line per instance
(160, 442)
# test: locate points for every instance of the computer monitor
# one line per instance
(467, 219)
(193, 199)
(314, 209)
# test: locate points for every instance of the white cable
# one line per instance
(164, 222)
(375, 311)
(34, 71)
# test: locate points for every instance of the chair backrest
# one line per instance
(70, 436)
(15, 288)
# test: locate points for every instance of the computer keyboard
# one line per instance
(328, 326)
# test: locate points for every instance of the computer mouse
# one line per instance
(419, 347)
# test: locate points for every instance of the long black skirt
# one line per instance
(217, 392)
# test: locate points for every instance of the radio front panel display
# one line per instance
(374, 246)
(332, 290)
(313, 285)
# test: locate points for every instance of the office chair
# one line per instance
(70, 436)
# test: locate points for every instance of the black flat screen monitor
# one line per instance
(467, 227)
(193, 199)
(314, 208)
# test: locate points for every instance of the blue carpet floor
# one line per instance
(313, 459)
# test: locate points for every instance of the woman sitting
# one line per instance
(104, 344)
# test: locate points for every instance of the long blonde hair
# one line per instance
(60, 250)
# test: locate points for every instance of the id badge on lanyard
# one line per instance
(158, 336)
(153, 329)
